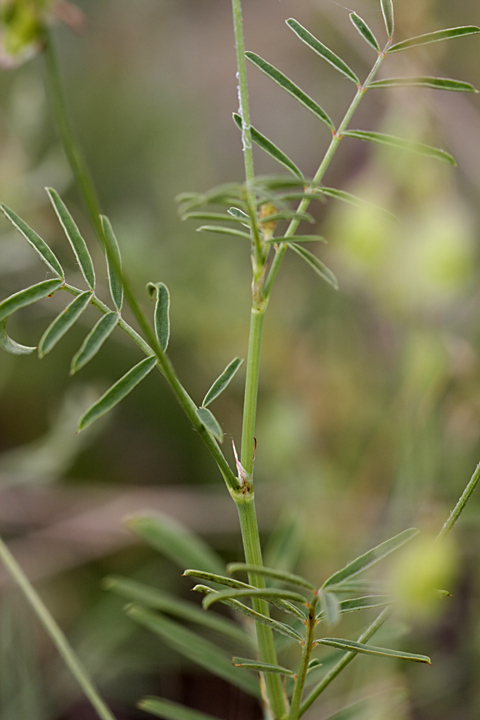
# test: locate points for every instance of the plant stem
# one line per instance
(460, 506)
(322, 169)
(302, 672)
(251, 387)
(55, 633)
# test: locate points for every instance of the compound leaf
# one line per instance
(38, 244)
(322, 50)
(117, 392)
(77, 242)
(94, 341)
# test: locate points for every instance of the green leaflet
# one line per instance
(288, 215)
(195, 648)
(63, 323)
(267, 146)
(162, 312)
(275, 625)
(435, 37)
(238, 215)
(315, 264)
(371, 650)
(387, 12)
(330, 608)
(224, 231)
(175, 541)
(9, 345)
(286, 577)
(370, 558)
(39, 245)
(117, 392)
(401, 143)
(284, 82)
(361, 603)
(261, 594)
(170, 710)
(351, 199)
(114, 263)
(261, 667)
(322, 50)
(173, 605)
(427, 82)
(222, 381)
(364, 31)
(28, 297)
(94, 341)
(210, 422)
(77, 242)
(214, 216)
(297, 238)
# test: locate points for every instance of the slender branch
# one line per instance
(302, 673)
(55, 633)
(460, 506)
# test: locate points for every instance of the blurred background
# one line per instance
(369, 415)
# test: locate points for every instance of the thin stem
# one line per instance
(55, 633)
(460, 506)
(302, 673)
(322, 169)
(251, 388)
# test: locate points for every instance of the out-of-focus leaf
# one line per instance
(315, 264)
(9, 345)
(285, 543)
(275, 625)
(77, 242)
(210, 422)
(212, 216)
(222, 381)
(322, 50)
(114, 264)
(330, 608)
(27, 297)
(162, 313)
(117, 392)
(435, 37)
(290, 87)
(261, 667)
(173, 605)
(195, 648)
(370, 558)
(351, 199)
(270, 148)
(170, 710)
(63, 323)
(427, 82)
(297, 238)
(371, 649)
(175, 541)
(287, 215)
(286, 577)
(261, 594)
(94, 341)
(387, 12)
(219, 229)
(401, 143)
(364, 31)
(38, 244)
(361, 603)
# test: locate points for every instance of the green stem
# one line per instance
(251, 387)
(322, 169)
(460, 506)
(302, 673)
(55, 633)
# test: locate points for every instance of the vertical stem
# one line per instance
(460, 506)
(251, 388)
(56, 635)
(302, 672)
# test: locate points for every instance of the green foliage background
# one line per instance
(370, 402)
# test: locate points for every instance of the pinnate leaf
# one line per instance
(364, 31)
(284, 82)
(402, 144)
(162, 313)
(72, 232)
(94, 341)
(356, 647)
(436, 36)
(270, 148)
(114, 263)
(63, 323)
(222, 381)
(370, 558)
(28, 296)
(322, 50)
(117, 392)
(175, 541)
(195, 648)
(38, 244)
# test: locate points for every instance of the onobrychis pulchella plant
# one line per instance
(254, 210)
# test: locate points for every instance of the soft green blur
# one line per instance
(370, 399)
